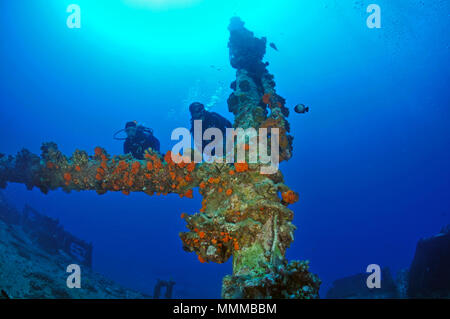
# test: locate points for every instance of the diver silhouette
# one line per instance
(209, 120)
(139, 139)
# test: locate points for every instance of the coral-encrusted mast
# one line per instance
(260, 269)
(242, 214)
(98, 172)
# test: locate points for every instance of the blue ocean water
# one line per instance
(371, 159)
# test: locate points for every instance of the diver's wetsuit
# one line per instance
(211, 120)
(141, 142)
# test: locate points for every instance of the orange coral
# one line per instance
(241, 167)
(135, 167)
(122, 166)
(229, 191)
(232, 172)
(289, 197)
(213, 180)
(157, 164)
(98, 151)
(50, 165)
(191, 166)
(100, 171)
(67, 177)
(78, 168)
(189, 194)
(201, 259)
(181, 164)
(168, 158)
(266, 98)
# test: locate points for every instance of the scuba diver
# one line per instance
(139, 139)
(209, 120)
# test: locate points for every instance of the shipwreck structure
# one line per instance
(47, 232)
(244, 213)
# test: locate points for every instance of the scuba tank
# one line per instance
(140, 129)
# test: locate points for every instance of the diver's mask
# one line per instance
(132, 130)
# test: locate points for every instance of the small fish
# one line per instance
(215, 68)
(301, 108)
(273, 46)
(5, 295)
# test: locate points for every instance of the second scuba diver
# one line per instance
(139, 139)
